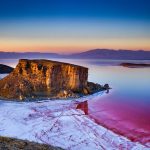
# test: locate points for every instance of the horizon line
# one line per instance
(65, 53)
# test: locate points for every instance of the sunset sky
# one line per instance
(67, 26)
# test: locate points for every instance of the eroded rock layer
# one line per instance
(44, 78)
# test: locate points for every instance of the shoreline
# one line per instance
(121, 133)
(40, 99)
(45, 99)
(114, 120)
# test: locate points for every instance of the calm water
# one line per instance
(126, 108)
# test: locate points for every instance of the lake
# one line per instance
(125, 109)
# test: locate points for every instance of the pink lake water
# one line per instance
(126, 108)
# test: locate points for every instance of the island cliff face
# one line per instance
(45, 78)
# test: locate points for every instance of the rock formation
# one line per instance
(134, 65)
(7, 143)
(46, 78)
(5, 69)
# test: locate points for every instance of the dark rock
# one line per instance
(106, 86)
(5, 69)
(7, 143)
(93, 87)
(134, 65)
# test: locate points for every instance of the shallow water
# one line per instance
(126, 108)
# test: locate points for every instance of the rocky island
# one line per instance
(134, 65)
(5, 69)
(46, 79)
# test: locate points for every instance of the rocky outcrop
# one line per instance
(7, 143)
(5, 69)
(134, 65)
(45, 78)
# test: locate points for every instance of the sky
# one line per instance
(68, 26)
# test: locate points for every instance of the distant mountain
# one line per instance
(91, 54)
(112, 54)
(16, 55)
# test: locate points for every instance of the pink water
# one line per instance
(122, 118)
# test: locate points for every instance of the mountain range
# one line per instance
(90, 54)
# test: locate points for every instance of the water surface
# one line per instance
(126, 108)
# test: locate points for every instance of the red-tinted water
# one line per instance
(120, 116)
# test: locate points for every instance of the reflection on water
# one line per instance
(83, 106)
(125, 108)
(107, 91)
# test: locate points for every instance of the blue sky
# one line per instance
(69, 25)
(98, 9)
